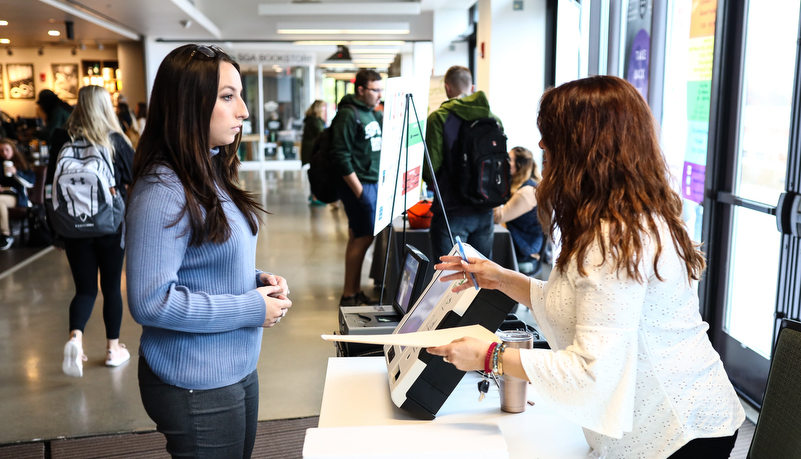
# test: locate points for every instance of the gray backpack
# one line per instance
(81, 204)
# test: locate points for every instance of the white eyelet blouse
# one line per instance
(630, 362)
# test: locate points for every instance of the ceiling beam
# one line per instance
(94, 19)
(198, 17)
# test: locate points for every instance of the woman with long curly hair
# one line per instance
(630, 360)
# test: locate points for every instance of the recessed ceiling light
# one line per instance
(3, 23)
(349, 42)
(5, 41)
(53, 33)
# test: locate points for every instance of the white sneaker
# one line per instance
(73, 359)
(116, 360)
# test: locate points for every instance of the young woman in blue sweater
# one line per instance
(192, 280)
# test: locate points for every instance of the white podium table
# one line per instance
(356, 394)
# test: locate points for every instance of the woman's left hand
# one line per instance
(466, 354)
(276, 281)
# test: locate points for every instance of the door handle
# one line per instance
(788, 214)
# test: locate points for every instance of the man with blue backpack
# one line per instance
(468, 153)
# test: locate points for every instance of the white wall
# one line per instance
(448, 51)
(42, 67)
(512, 74)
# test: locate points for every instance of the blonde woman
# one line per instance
(520, 213)
(95, 121)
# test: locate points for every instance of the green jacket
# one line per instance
(468, 108)
(356, 148)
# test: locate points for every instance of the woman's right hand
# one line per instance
(276, 305)
(489, 275)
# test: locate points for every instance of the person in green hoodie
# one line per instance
(356, 149)
(473, 226)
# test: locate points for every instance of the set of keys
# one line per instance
(484, 384)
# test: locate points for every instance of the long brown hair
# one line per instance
(525, 167)
(177, 135)
(16, 156)
(603, 163)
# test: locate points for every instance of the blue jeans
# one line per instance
(215, 423)
(477, 230)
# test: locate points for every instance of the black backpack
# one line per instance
(323, 177)
(480, 169)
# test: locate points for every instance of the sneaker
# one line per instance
(73, 359)
(121, 357)
(6, 242)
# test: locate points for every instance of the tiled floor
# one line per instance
(305, 244)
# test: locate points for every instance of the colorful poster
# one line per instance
(699, 90)
(638, 44)
(405, 190)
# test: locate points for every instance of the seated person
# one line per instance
(520, 213)
(12, 187)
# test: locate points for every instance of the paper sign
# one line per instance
(420, 339)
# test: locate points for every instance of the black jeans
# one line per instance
(214, 423)
(86, 257)
(707, 448)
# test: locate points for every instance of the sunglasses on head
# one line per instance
(210, 51)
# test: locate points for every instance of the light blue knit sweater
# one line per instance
(200, 313)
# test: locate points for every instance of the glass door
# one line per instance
(753, 123)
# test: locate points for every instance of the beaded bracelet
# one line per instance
(488, 359)
(497, 359)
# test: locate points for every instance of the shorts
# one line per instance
(360, 211)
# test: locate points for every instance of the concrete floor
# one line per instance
(305, 244)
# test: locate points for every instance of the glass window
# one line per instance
(753, 270)
(767, 97)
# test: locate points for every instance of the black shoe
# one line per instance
(366, 300)
(6, 242)
(359, 299)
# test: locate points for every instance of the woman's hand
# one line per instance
(488, 274)
(466, 354)
(276, 305)
(275, 281)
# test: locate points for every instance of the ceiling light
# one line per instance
(373, 61)
(349, 42)
(383, 57)
(3, 23)
(371, 28)
(350, 9)
(53, 33)
(5, 41)
(374, 51)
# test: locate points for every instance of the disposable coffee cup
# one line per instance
(7, 165)
(514, 391)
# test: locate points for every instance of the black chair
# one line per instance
(778, 429)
